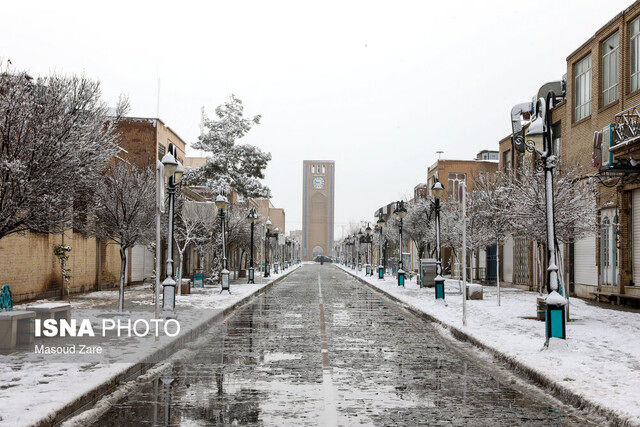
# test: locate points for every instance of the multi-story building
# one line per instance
(604, 81)
(602, 88)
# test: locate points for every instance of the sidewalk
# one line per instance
(601, 364)
(41, 388)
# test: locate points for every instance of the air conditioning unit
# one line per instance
(608, 140)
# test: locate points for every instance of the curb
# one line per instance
(559, 391)
(139, 368)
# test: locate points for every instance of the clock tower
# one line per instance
(317, 208)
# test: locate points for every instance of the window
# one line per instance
(610, 69)
(582, 89)
(455, 186)
(162, 150)
(634, 54)
(313, 169)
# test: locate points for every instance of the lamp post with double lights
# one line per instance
(438, 191)
(173, 170)
(381, 223)
(252, 218)
(222, 203)
(540, 133)
(400, 212)
(352, 242)
(369, 266)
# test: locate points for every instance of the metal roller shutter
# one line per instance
(586, 271)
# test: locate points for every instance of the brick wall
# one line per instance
(28, 265)
(472, 168)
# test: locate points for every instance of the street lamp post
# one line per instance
(360, 234)
(266, 249)
(438, 191)
(369, 267)
(381, 223)
(252, 218)
(353, 251)
(283, 264)
(400, 213)
(275, 254)
(222, 203)
(540, 127)
(173, 171)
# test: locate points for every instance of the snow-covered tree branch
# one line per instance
(230, 166)
(54, 144)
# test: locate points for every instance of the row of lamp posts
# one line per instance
(539, 128)
(400, 212)
(172, 170)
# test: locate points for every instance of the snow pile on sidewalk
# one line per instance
(601, 361)
(35, 386)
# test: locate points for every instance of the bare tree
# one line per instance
(124, 211)
(193, 227)
(489, 203)
(54, 144)
(417, 224)
(574, 203)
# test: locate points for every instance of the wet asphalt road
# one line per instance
(321, 348)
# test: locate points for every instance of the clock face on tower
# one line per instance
(318, 182)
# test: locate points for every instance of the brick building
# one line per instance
(604, 80)
(145, 140)
(602, 87)
(453, 174)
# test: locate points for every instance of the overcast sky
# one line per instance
(377, 86)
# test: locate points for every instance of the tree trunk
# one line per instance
(123, 270)
(181, 256)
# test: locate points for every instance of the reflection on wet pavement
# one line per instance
(321, 348)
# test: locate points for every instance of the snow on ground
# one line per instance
(34, 386)
(601, 361)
